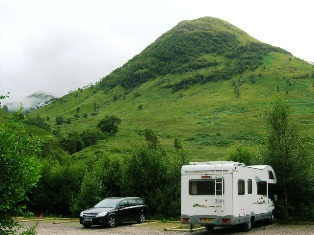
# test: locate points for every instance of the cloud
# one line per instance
(56, 46)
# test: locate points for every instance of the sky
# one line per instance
(58, 46)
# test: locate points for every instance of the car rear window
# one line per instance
(136, 201)
(139, 201)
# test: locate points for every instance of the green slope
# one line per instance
(205, 82)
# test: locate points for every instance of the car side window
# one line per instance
(124, 203)
(132, 202)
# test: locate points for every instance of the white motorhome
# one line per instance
(224, 193)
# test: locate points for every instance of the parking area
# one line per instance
(72, 227)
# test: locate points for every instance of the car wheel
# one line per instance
(209, 227)
(141, 218)
(112, 222)
(86, 225)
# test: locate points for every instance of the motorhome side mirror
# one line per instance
(275, 197)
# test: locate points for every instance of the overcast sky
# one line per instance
(55, 46)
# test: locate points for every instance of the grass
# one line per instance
(209, 118)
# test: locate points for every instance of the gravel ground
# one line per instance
(71, 227)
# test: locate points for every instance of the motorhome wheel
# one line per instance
(209, 227)
(247, 226)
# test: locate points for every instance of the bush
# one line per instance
(72, 143)
(59, 120)
(109, 124)
(90, 137)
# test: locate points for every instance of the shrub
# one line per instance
(109, 124)
(59, 120)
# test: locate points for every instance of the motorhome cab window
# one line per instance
(272, 191)
(262, 188)
(205, 187)
(249, 186)
(241, 187)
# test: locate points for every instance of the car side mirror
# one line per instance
(121, 207)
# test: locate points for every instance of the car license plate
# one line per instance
(88, 219)
(207, 220)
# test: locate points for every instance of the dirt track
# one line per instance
(72, 227)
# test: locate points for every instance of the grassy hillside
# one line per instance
(205, 82)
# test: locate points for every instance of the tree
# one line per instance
(90, 137)
(287, 152)
(72, 143)
(152, 139)
(103, 179)
(6, 108)
(19, 167)
(59, 120)
(109, 124)
(156, 177)
(177, 144)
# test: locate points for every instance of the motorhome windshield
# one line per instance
(205, 187)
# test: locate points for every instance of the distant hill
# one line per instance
(31, 102)
(205, 82)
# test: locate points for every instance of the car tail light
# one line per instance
(226, 221)
(186, 220)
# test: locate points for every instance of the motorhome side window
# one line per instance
(241, 187)
(262, 188)
(249, 186)
(271, 175)
(205, 187)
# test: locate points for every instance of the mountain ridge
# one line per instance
(187, 41)
(211, 97)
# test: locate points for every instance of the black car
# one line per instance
(113, 210)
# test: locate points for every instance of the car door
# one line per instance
(123, 213)
(133, 210)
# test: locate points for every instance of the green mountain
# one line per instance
(205, 82)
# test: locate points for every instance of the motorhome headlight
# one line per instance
(101, 214)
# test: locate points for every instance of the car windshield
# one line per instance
(108, 203)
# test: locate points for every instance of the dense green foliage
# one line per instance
(74, 185)
(246, 155)
(291, 156)
(293, 163)
(20, 170)
(155, 176)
